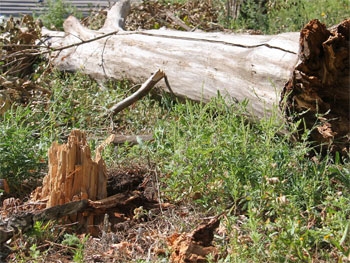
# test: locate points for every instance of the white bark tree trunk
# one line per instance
(198, 65)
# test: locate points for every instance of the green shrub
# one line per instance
(76, 246)
(276, 16)
(253, 16)
(20, 149)
(57, 12)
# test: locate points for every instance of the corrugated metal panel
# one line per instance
(16, 7)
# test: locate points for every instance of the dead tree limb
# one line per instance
(131, 139)
(141, 92)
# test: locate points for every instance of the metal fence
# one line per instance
(18, 8)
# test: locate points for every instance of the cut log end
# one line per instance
(318, 91)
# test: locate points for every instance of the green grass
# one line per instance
(284, 206)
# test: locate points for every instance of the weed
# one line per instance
(34, 252)
(76, 245)
(20, 151)
(282, 203)
(278, 16)
(57, 12)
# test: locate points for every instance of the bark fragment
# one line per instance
(196, 246)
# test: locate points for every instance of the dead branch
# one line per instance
(178, 21)
(141, 92)
(131, 139)
(24, 222)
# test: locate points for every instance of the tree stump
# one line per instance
(73, 176)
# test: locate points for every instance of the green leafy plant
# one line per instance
(276, 16)
(57, 12)
(20, 150)
(34, 252)
(41, 231)
(76, 245)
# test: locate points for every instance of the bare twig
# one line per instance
(178, 21)
(168, 85)
(80, 43)
(141, 92)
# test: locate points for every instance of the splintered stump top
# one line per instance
(73, 176)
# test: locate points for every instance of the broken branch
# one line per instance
(141, 92)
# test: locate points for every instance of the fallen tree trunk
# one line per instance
(198, 65)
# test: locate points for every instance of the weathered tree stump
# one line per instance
(73, 176)
(318, 92)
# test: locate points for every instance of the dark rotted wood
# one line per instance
(56, 212)
(120, 182)
(204, 233)
(23, 222)
(318, 91)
